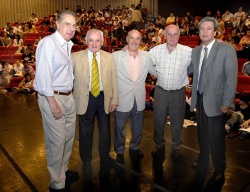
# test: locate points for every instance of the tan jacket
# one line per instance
(82, 78)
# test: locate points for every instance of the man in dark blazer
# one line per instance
(213, 92)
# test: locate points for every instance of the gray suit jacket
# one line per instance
(220, 78)
(129, 90)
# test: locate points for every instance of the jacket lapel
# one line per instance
(125, 64)
(85, 65)
(211, 55)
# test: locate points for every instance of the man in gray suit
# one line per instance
(214, 68)
(132, 67)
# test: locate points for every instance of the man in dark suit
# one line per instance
(214, 68)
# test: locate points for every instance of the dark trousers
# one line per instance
(86, 129)
(135, 25)
(170, 103)
(211, 137)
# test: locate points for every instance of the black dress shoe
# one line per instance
(136, 153)
(120, 158)
(217, 178)
(71, 175)
(157, 152)
(195, 164)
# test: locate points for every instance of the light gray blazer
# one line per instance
(127, 89)
(220, 78)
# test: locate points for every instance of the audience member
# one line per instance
(33, 18)
(28, 56)
(246, 68)
(4, 81)
(244, 134)
(239, 115)
(245, 40)
(6, 41)
(25, 86)
(241, 29)
(151, 18)
(136, 18)
(9, 69)
(170, 19)
(28, 69)
(226, 17)
(151, 31)
(238, 15)
(30, 28)
(18, 67)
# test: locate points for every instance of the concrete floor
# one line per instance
(23, 164)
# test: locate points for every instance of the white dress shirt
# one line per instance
(54, 69)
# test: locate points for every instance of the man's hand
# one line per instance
(244, 125)
(225, 110)
(112, 108)
(54, 107)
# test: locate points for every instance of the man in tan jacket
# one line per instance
(94, 102)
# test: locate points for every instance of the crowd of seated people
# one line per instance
(117, 21)
(234, 28)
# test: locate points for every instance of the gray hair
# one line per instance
(93, 31)
(212, 19)
(63, 13)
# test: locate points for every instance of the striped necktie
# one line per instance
(95, 84)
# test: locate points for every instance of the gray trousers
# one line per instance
(136, 125)
(170, 103)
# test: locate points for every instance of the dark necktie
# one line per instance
(200, 85)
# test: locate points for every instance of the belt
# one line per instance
(62, 93)
(169, 91)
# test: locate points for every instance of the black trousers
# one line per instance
(211, 137)
(86, 129)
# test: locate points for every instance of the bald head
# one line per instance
(134, 32)
(172, 28)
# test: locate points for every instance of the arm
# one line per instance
(151, 68)
(115, 100)
(245, 124)
(231, 72)
(44, 76)
(20, 85)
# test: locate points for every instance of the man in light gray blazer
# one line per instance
(132, 67)
(213, 93)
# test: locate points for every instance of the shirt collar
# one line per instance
(209, 46)
(91, 53)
